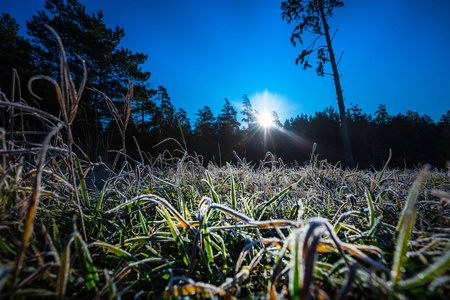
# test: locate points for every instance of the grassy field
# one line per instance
(168, 227)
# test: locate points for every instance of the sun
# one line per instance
(265, 120)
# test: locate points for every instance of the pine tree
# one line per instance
(143, 105)
(87, 37)
(164, 122)
(313, 17)
(248, 112)
(166, 108)
(205, 139)
(204, 125)
(381, 115)
(15, 53)
(228, 133)
(184, 121)
(227, 120)
(184, 132)
(275, 119)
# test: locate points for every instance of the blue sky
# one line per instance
(396, 52)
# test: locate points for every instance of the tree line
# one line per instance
(155, 125)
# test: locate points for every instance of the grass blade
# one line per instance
(111, 287)
(406, 225)
(383, 171)
(203, 212)
(86, 263)
(34, 201)
(264, 206)
(142, 221)
(232, 192)
(116, 250)
(296, 270)
(371, 208)
(210, 184)
(63, 272)
(196, 288)
(176, 235)
(82, 182)
(440, 265)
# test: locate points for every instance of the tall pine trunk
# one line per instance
(340, 98)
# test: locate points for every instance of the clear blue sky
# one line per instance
(396, 52)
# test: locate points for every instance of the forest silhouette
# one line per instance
(156, 127)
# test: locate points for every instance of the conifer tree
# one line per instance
(164, 122)
(86, 36)
(312, 16)
(248, 112)
(228, 130)
(15, 53)
(144, 107)
(227, 120)
(183, 119)
(205, 123)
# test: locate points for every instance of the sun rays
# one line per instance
(265, 120)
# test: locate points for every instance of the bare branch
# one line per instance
(340, 58)
(335, 33)
(314, 42)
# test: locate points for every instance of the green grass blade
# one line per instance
(155, 199)
(177, 236)
(97, 210)
(296, 268)
(247, 209)
(210, 184)
(203, 209)
(232, 192)
(406, 225)
(208, 248)
(371, 209)
(264, 206)
(349, 228)
(142, 221)
(135, 201)
(86, 263)
(224, 182)
(345, 216)
(440, 265)
(82, 182)
(116, 250)
(100, 199)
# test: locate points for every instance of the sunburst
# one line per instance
(265, 120)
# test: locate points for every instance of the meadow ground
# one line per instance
(174, 228)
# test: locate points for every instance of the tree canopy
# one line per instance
(15, 53)
(87, 37)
